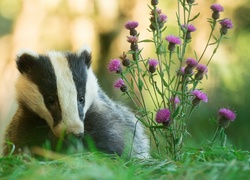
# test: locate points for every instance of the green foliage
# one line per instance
(216, 163)
(165, 89)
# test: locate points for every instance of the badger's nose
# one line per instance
(74, 136)
(79, 135)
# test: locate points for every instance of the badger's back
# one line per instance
(114, 129)
(58, 96)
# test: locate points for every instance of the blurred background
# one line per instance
(66, 25)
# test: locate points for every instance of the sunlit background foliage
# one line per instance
(68, 24)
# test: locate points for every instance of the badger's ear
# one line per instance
(26, 61)
(85, 54)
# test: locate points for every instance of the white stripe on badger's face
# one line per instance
(91, 89)
(67, 96)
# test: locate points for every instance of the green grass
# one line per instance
(196, 164)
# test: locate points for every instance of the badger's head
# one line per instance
(58, 87)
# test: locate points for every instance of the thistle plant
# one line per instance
(225, 117)
(165, 88)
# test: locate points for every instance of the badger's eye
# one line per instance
(81, 99)
(51, 100)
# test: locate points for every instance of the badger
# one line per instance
(59, 96)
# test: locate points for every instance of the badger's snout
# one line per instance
(73, 142)
(79, 135)
(73, 137)
(72, 128)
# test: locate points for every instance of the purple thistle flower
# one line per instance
(131, 25)
(173, 39)
(119, 84)
(181, 71)
(227, 114)
(227, 23)
(158, 11)
(201, 68)
(152, 65)
(217, 8)
(163, 18)
(114, 66)
(174, 100)
(199, 96)
(162, 115)
(191, 62)
(153, 62)
(225, 117)
(190, 27)
(132, 39)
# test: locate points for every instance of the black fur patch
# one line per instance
(86, 56)
(40, 71)
(79, 66)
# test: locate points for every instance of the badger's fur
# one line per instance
(58, 95)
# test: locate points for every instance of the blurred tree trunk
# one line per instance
(107, 39)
